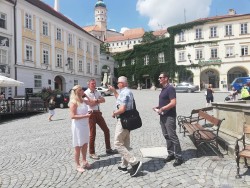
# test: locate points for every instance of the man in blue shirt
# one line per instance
(124, 102)
(167, 112)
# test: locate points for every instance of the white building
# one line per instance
(7, 43)
(219, 46)
(51, 50)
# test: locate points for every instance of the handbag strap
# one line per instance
(134, 105)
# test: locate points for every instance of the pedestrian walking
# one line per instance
(209, 95)
(124, 102)
(167, 111)
(52, 107)
(79, 126)
(96, 117)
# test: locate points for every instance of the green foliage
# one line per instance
(45, 93)
(148, 37)
(104, 48)
(152, 49)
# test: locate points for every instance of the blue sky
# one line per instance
(148, 14)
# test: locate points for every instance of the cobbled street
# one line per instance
(39, 153)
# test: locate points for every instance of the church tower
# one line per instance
(101, 15)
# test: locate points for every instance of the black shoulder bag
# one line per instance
(131, 119)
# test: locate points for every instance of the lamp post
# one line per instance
(189, 57)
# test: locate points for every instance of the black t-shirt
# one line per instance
(167, 94)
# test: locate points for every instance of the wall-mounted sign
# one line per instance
(211, 61)
(4, 41)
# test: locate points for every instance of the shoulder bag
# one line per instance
(131, 119)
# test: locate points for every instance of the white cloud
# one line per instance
(123, 29)
(165, 13)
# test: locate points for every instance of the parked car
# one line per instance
(239, 82)
(104, 91)
(186, 87)
(62, 100)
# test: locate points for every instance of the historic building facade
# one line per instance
(215, 49)
(50, 50)
(7, 43)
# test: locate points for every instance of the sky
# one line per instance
(148, 14)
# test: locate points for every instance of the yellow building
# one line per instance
(51, 50)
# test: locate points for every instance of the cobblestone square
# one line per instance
(39, 153)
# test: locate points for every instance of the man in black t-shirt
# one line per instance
(167, 111)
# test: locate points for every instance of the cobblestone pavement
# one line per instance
(38, 153)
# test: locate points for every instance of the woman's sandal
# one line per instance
(86, 165)
(80, 169)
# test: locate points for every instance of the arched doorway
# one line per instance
(209, 76)
(59, 83)
(236, 72)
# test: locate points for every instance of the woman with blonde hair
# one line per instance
(79, 126)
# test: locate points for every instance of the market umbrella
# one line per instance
(9, 82)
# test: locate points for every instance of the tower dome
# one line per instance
(100, 3)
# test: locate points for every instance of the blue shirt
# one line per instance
(125, 97)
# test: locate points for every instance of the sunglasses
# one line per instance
(160, 77)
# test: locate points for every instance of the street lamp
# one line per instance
(189, 57)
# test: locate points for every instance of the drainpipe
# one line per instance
(15, 45)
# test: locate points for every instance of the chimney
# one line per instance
(56, 5)
(231, 12)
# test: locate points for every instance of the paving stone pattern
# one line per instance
(39, 153)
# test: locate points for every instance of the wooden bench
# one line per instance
(243, 151)
(192, 118)
(202, 135)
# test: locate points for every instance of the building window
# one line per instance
(123, 63)
(213, 32)
(229, 30)
(70, 39)
(198, 33)
(3, 20)
(181, 36)
(146, 60)
(88, 47)
(70, 63)
(59, 34)
(3, 56)
(29, 53)
(244, 50)
(75, 82)
(243, 28)
(88, 68)
(95, 50)
(199, 54)
(28, 21)
(132, 61)
(37, 81)
(45, 29)
(46, 57)
(229, 51)
(181, 56)
(80, 69)
(96, 69)
(161, 58)
(59, 60)
(80, 43)
(214, 53)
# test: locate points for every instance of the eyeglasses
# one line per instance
(160, 77)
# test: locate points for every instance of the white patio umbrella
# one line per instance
(9, 82)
